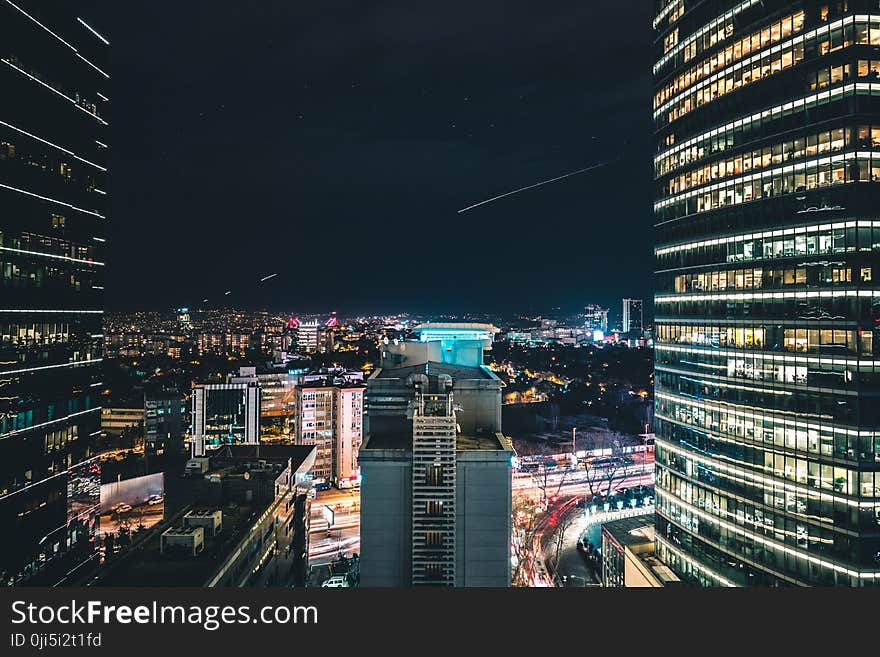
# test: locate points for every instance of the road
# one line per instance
(542, 538)
(581, 477)
(327, 543)
(142, 514)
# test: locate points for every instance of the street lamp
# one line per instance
(573, 576)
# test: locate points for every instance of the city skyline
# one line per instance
(367, 296)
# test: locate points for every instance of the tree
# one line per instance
(559, 540)
(543, 484)
(611, 464)
(525, 512)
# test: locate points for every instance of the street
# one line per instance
(326, 544)
(568, 487)
(563, 492)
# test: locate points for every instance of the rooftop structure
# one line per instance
(250, 514)
(628, 555)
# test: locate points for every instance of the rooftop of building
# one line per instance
(660, 570)
(330, 381)
(430, 368)
(146, 566)
(450, 327)
(232, 456)
(395, 433)
(634, 530)
(240, 384)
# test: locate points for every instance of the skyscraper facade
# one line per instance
(53, 165)
(330, 416)
(633, 319)
(767, 213)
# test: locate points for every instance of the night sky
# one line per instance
(333, 142)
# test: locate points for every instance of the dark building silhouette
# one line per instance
(53, 159)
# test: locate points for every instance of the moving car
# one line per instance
(155, 499)
(122, 507)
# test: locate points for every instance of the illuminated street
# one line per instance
(535, 528)
(326, 544)
(568, 487)
(142, 514)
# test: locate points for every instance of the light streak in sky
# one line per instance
(262, 280)
(538, 184)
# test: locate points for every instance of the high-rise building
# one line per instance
(436, 491)
(767, 424)
(276, 391)
(164, 420)
(183, 318)
(53, 164)
(596, 318)
(307, 336)
(329, 415)
(632, 316)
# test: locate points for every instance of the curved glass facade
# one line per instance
(767, 214)
(53, 154)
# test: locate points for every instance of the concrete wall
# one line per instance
(480, 401)
(483, 524)
(636, 573)
(386, 501)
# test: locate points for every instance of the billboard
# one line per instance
(329, 516)
(128, 505)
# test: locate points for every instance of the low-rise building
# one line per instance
(246, 524)
(116, 420)
(628, 555)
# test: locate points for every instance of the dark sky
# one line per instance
(334, 141)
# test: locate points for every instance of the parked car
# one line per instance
(155, 499)
(336, 581)
(122, 507)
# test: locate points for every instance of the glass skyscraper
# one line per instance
(767, 213)
(53, 155)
